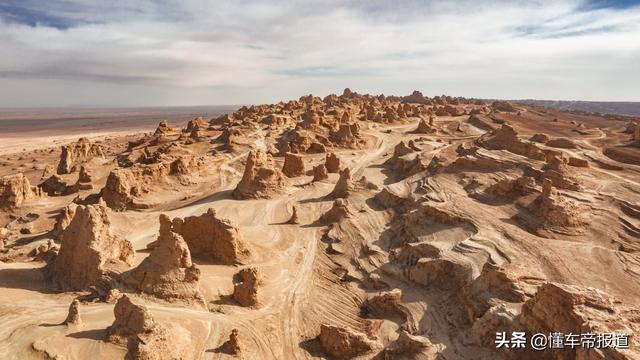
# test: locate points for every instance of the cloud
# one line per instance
(262, 51)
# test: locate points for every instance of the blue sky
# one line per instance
(196, 52)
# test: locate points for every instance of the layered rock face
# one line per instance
(167, 272)
(245, 287)
(146, 339)
(344, 342)
(261, 179)
(213, 238)
(87, 245)
(75, 154)
(15, 190)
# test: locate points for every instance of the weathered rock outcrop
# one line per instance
(232, 346)
(320, 173)
(213, 238)
(167, 272)
(571, 309)
(87, 245)
(163, 128)
(344, 186)
(556, 210)
(245, 287)
(73, 317)
(293, 165)
(15, 190)
(384, 304)
(261, 179)
(343, 342)
(339, 210)
(506, 138)
(146, 339)
(332, 163)
(75, 154)
(63, 219)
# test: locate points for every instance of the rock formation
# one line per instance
(73, 155)
(338, 211)
(167, 272)
(506, 138)
(260, 179)
(63, 219)
(15, 190)
(294, 216)
(87, 245)
(293, 165)
(344, 186)
(571, 309)
(343, 342)
(384, 304)
(245, 287)
(163, 128)
(232, 346)
(332, 163)
(145, 339)
(320, 173)
(554, 209)
(73, 317)
(213, 238)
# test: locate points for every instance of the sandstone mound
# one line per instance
(167, 272)
(232, 346)
(163, 129)
(407, 346)
(540, 138)
(332, 163)
(508, 188)
(339, 210)
(245, 287)
(555, 210)
(63, 219)
(384, 304)
(343, 342)
(558, 172)
(74, 154)
(506, 138)
(87, 246)
(213, 238)
(344, 186)
(425, 127)
(320, 173)
(144, 338)
(293, 165)
(260, 179)
(15, 190)
(503, 106)
(73, 317)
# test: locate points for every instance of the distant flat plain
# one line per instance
(42, 127)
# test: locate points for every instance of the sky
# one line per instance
(60, 53)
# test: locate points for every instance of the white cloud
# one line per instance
(202, 52)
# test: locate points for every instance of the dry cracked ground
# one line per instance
(354, 226)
